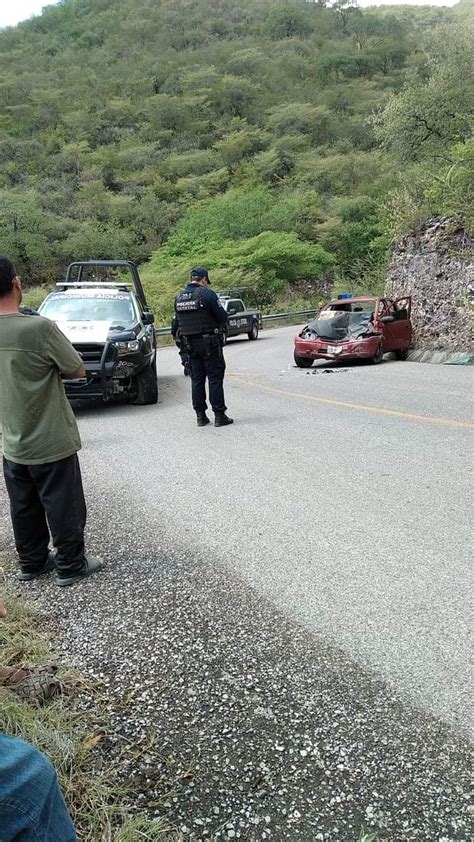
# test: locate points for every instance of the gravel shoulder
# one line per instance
(259, 730)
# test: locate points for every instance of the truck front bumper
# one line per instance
(100, 381)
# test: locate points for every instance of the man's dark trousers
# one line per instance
(207, 362)
(45, 494)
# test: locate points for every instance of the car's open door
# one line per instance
(396, 324)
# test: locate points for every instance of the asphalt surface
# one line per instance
(286, 605)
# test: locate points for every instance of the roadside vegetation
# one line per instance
(70, 729)
(279, 142)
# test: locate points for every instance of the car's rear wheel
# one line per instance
(378, 356)
(145, 387)
(303, 362)
(402, 354)
(253, 334)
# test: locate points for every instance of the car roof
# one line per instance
(355, 298)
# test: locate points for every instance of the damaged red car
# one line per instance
(350, 328)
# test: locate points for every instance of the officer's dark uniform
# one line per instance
(183, 353)
(200, 319)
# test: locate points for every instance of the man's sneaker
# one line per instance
(91, 565)
(202, 419)
(27, 576)
(223, 420)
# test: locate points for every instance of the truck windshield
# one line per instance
(115, 309)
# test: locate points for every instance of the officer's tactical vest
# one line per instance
(193, 316)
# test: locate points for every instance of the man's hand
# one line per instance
(80, 374)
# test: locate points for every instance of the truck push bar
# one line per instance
(89, 386)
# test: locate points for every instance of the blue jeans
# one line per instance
(32, 808)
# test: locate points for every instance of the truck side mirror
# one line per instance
(387, 319)
(148, 317)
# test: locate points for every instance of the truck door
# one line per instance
(232, 309)
(239, 321)
(244, 320)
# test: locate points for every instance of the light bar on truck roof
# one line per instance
(94, 285)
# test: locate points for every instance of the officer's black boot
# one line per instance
(222, 420)
(202, 419)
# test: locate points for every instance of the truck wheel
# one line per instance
(378, 356)
(402, 354)
(253, 334)
(145, 387)
(303, 362)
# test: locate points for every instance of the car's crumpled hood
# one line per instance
(78, 332)
(344, 326)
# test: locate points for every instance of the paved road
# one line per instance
(298, 587)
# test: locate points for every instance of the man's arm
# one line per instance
(78, 375)
(174, 325)
(215, 307)
(64, 355)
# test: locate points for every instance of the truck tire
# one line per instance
(303, 362)
(145, 387)
(253, 334)
(402, 354)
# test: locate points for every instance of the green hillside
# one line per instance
(281, 143)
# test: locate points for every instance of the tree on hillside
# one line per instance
(344, 10)
(288, 21)
(428, 126)
(436, 106)
(29, 235)
(364, 26)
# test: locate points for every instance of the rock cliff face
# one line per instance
(435, 265)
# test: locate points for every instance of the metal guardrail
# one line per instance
(275, 316)
(165, 331)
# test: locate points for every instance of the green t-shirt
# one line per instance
(38, 422)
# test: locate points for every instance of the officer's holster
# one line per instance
(212, 344)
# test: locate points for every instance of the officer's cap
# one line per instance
(198, 273)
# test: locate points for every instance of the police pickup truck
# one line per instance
(108, 321)
(240, 320)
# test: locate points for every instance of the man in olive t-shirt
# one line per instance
(40, 440)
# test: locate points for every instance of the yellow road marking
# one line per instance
(361, 407)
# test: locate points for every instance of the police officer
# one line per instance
(200, 320)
